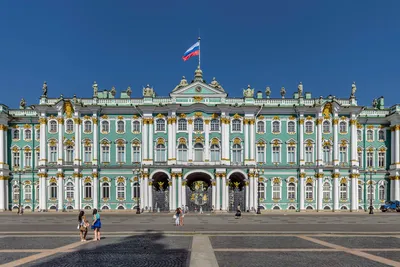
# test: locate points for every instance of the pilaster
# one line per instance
(190, 140)
(179, 187)
(174, 144)
(173, 203)
(335, 122)
(60, 148)
(77, 190)
(302, 177)
(95, 160)
(301, 141)
(353, 142)
(170, 143)
(151, 141)
(319, 176)
(246, 140)
(43, 126)
(218, 192)
(145, 143)
(247, 207)
(354, 189)
(60, 189)
(207, 140)
(335, 177)
(95, 176)
(318, 121)
(225, 141)
(150, 194)
(78, 143)
(252, 159)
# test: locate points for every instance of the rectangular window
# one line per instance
(309, 154)
(343, 154)
(28, 159)
(260, 153)
(105, 154)
(291, 191)
(120, 154)
(370, 159)
(53, 154)
(275, 154)
(16, 159)
(88, 154)
(359, 155)
(136, 154)
(381, 159)
(276, 191)
(291, 154)
(37, 158)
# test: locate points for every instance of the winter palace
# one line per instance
(200, 149)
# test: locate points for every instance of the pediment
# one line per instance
(198, 89)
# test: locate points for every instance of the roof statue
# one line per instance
(44, 88)
(214, 83)
(113, 91)
(283, 92)
(268, 92)
(249, 92)
(353, 90)
(129, 91)
(375, 103)
(147, 91)
(198, 75)
(22, 104)
(300, 89)
(95, 89)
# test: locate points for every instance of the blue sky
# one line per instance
(325, 44)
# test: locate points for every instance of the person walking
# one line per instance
(82, 225)
(96, 225)
(177, 216)
(182, 216)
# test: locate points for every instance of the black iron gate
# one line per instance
(199, 197)
(160, 200)
(237, 198)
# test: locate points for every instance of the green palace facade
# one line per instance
(200, 149)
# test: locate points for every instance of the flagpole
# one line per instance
(199, 50)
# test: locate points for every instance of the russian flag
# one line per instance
(194, 50)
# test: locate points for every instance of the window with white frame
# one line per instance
(236, 125)
(160, 125)
(87, 154)
(326, 191)
(309, 191)
(105, 190)
(87, 193)
(214, 125)
(69, 190)
(261, 191)
(236, 153)
(276, 154)
(326, 127)
(121, 190)
(16, 192)
(136, 190)
(381, 192)
(182, 152)
(28, 192)
(370, 135)
(276, 127)
(53, 126)
(37, 193)
(37, 152)
(69, 126)
(136, 154)
(28, 134)
(53, 154)
(359, 135)
(198, 152)
(291, 127)
(198, 124)
(136, 126)
(360, 193)
(343, 191)
(260, 127)
(343, 154)
(160, 153)
(120, 153)
(308, 153)
(215, 153)
(87, 126)
(53, 190)
(105, 153)
(69, 154)
(105, 126)
(327, 152)
(120, 126)
(276, 190)
(291, 191)
(381, 135)
(16, 158)
(381, 159)
(37, 134)
(343, 127)
(16, 134)
(182, 125)
(360, 158)
(291, 150)
(27, 159)
(309, 127)
(370, 159)
(369, 189)
(260, 153)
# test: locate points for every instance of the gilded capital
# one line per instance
(60, 120)
(42, 120)
(353, 122)
(94, 120)
(3, 127)
(335, 121)
(301, 121)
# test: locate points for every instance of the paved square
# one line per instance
(391, 255)
(48, 242)
(362, 241)
(6, 257)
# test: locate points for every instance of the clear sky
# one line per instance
(325, 44)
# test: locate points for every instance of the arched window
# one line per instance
(198, 152)
(276, 191)
(69, 154)
(28, 134)
(136, 190)
(120, 126)
(343, 191)
(370, 135)
(198, 124)
(260, 127)
(53, 126)
(87, 127)
(359, 135)
(343, 127)
(360, 193)
(28, 192)
(291, 127)
(182, 152)
(309, 127)
(16, 192)
(53, 190)
(16, 134)
(309, 191)
(121, 190)
(326, 127)
(105, 126)
(182, 125)
(291, 191)
(327, 155)
(214, 125)
(326, 191)
(261, 190)
(276, 127)
(236, 125)
(69, 190)
(381, 135)
(87, 193)
(136, 126)
(236, 153)
(160, 125)
(215, 153)
(105, 190)
(381, 192)
(69, 126)
(160, 153)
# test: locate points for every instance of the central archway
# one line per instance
(199, 191)
(160, 188)
(237, 193)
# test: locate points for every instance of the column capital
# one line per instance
(302, 175)
(335, 175)
(42, 120)
(60, 175)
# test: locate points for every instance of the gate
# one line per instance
(237, 197)
(160, 200)
(199, 196)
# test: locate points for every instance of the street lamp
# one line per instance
(137, 171)
(257, 172)
(371, 207)
(19, 171)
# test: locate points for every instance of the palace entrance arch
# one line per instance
(237, 191)
(160, 192)
(199, 191)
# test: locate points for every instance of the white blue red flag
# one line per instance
(194, 50)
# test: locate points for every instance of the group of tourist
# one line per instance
(178, 216)
(83, 225)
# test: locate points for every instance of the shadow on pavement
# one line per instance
(149, 249)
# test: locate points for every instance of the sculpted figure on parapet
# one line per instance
(44, 88)
(249, 92)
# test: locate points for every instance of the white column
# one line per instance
(392, 195)
(3, 193)
(43, 192)
(335, 142)
(150, 194)
(43, 155)
(142, 193)
(95, 189)
(95, 140)
(247, 206)
(170, 144)
(76, 191)
(255, 190)
(60, 142)
(336, 192)
(353, 143)
(301, 141)
(3, 181)
(173, 204)
(144, 142)
(251, 203)
(218, 192)
(151, 142)
(77, 152)
(320, 182)
(252, 140)
(179, 190)
(246, 140)
(214, 195)
(224, 196)
(397, 145)
(319, 141)
(174, 138)
(3, 129)
(207, 139)
(302, 196)
(60, 189)
(396, 188)
(190, 140)
(354, 186)
(225, 140)
(392, 145)
(146, 191)
(170, 194)
(183, 188)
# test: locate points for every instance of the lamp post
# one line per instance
(257, 174)
(19, 171)
(137, 171)
(371, 207)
